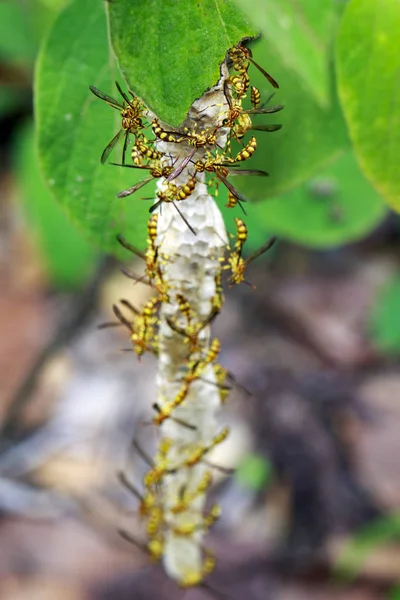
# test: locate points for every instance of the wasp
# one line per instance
(197, 140)
(192, 138)
(241, 235)
(158, 170)
(152, 230)
(163, 135)
(147, 501)
(195, 368)
(186, 497)
(174, 192)
(255, 96)
(184, 306)
(208, 520)
(239, 55)
(212, 354)
(143, 334)
(150, 257)
(218, 298)
(142, 149)
(232, 201)
(223, 167)
(240, 84)
(199, 453)
(192, 330)
(245, 124)
(165, 411)
(235, 260)
(142, 329)
(246, 152)
(221, 375)
(154, 548)
(240, 120)
(236, 263)
(132, 114)
(161, 466)
(196, 577)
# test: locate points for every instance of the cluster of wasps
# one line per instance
(218, 161)
(204, 155)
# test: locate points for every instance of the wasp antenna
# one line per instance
(261, 250)
(185, 219)
(158, 409)
(121, 91)
(136, 278)
(122, 478)
(109, 324)
(126, 135)
(132, 540)
(129, 305)
(128, 166)
(143, 455)
(213, 465)
(121, 318)
(125, 244)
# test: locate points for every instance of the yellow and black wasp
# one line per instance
(132, 113)
(239, 55)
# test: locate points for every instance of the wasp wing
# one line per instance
(264, 111)
(266, 127)
(111, 101)
(134, 188)
(230, 187)
(108, 149)
(238, 195)
(184, 219)
(251, 172)
(178, 170)
(264, 72)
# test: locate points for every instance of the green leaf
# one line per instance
(335, 207)
(382, 531)
(253, 472)
(311, 137)
(68, 259)
(301, 33)
(170, 52)
(74, 126)
(394, 593)
(384, 322)
(17, 42)
(368, 68)
(54, 5)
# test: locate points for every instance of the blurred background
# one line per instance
(312, 509)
